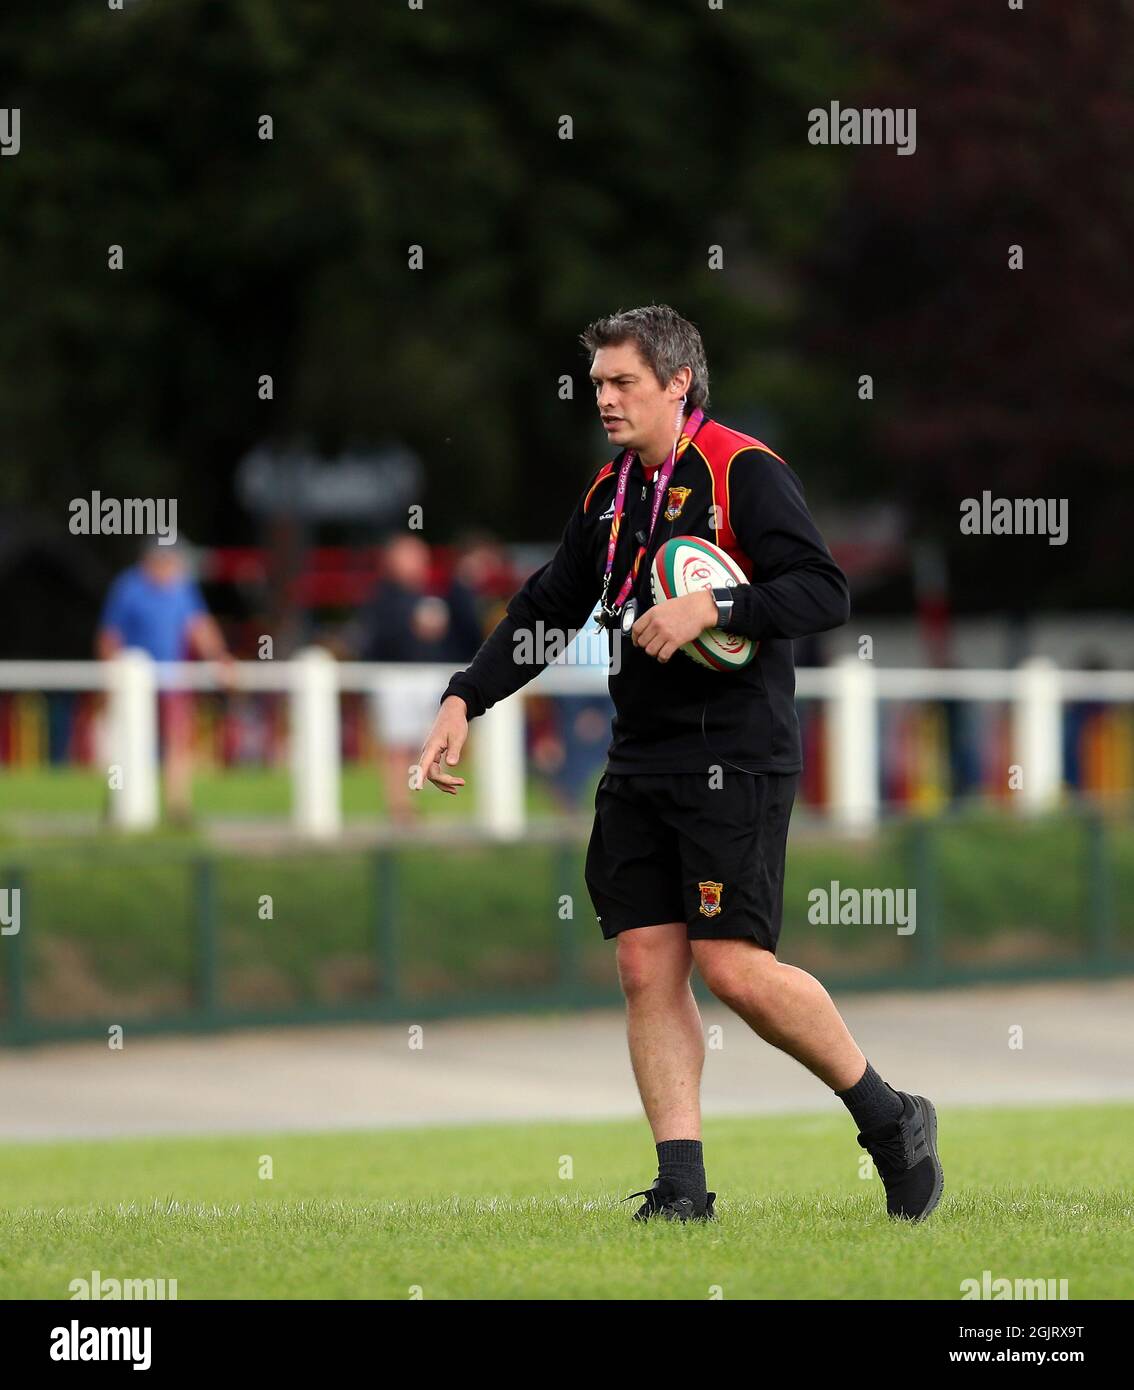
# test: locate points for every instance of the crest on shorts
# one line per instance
(710, 898)
(675, 500)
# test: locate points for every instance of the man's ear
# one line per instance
(681, 382)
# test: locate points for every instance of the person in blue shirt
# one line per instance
(156, 606)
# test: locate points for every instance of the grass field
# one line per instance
(237, 792)
(484, 1213)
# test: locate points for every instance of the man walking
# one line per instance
(686, 860)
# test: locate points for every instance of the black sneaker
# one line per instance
(905, 1154)
(662, 1200)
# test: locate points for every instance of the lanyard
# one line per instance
(689, 429)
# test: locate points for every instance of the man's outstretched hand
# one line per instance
(442, 748)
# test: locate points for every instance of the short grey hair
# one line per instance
(666, 341)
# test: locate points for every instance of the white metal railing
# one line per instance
(313, 680)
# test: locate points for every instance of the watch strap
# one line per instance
(723, 598)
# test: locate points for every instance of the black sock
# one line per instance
(871, 1102)
(682, 1162)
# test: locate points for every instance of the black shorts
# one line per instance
(668, 847)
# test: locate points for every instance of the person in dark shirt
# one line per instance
(481, 563)
(686, 860)
(403, 623)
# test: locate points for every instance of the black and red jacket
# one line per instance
(678, 716)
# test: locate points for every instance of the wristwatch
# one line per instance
(723, 599)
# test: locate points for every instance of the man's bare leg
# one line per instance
(179, 785)
(786, 1006)
(663, 1027)
(178, 765)
(396, 764)
(790, 1009)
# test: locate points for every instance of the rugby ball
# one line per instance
(686, 563)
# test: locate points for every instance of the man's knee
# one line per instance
(653, 958)
(739, 972)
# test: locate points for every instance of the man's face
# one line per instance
(407, 562)
(163, 567)
(634, 409)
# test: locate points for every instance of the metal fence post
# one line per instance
(1099, 895)
(852, 731)
(205, 924)
(498, 760)
(927, 938)
(15, 965)
(1037, 734)
(569, 953)
(132, 709)
(315, 744)
(385, 885)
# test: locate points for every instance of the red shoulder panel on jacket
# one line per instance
(604, 472)
(718, 446)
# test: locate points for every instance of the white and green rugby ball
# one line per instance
(687, 563)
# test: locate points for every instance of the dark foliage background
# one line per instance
(439, 127)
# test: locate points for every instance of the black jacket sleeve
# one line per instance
(796, 588)
(540, 622)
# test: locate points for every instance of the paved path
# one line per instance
(1078, 1045)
